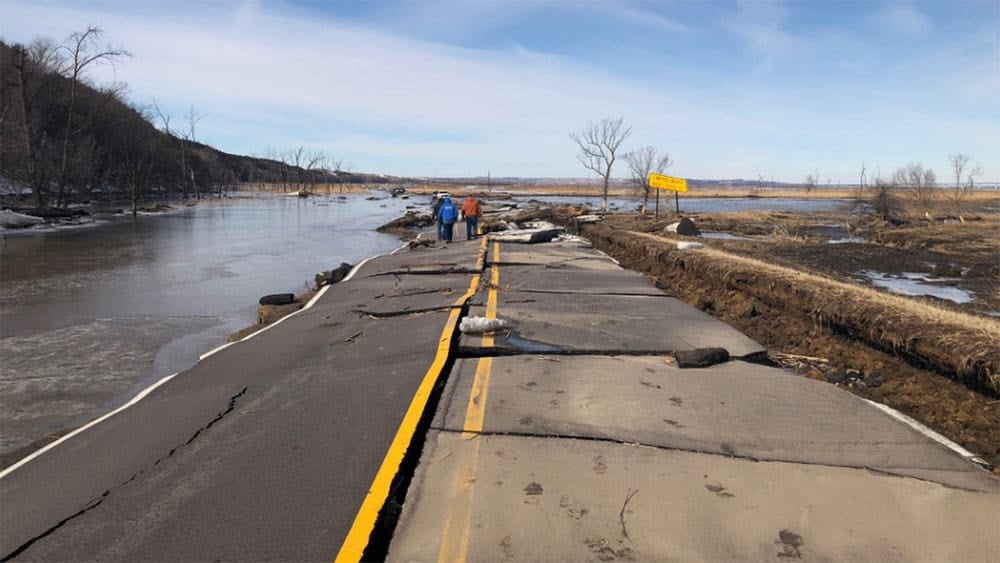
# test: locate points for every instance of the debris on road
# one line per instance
(479, 325)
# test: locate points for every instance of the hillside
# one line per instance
(108, 148)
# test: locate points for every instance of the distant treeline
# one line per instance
(69, 140)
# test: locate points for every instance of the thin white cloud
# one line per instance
(394, 104)
(634, 14)
(905, 19)
(760, 24)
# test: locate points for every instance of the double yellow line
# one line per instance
(357, 538)
(455, 539)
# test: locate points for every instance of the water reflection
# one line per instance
(90, 314)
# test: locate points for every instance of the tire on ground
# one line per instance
(277, 299)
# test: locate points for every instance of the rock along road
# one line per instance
(368, 426)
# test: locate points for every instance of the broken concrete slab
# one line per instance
(735, 409)
(614, 323)
(532, 498)
(575, 280)
(384, 294)
(526, 236)
(556, 252)
(457, 257)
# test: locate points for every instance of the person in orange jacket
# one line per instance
(472, 212)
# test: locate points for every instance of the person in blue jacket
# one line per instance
(448, 214)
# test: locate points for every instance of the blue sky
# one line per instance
(732, 88)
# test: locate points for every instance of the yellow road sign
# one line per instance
(662, 182)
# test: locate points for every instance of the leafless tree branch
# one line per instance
(599, 143)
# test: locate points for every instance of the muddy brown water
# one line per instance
(90, 315)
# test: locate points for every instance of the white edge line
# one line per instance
(309, 304)
(142, 394)
(94, 422)
(606, 255)
(933, 435)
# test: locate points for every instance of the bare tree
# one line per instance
(135, 155)
(919, 182)
(861, 182)
(317, 160)
(83, 51)
(960, 166)
(191, 119)
(885, 201)
(641, 162)
(184, 140)
(599, 143)
(812, 181)
(34, 63)
(759, 187)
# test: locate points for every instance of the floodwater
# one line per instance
(917, 284)
(700, 204)
(90, 315)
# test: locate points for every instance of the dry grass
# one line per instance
(959, 345)
(980, 238)
(941, 197)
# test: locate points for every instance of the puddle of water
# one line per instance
(917, 284)
(848, 240)
(527, 345)
(724, 236)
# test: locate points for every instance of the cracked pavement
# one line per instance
(582, 439)
(572, 436)
(264, 450)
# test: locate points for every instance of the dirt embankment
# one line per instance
(940, 367)
(407, 226)
(267, 314)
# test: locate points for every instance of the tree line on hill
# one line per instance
(69, 140)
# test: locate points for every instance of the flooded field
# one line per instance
(699, 204)
(89, 315)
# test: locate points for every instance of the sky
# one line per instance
(729, 88)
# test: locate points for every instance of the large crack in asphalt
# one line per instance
(90, 505)
(595, 293)
(402, 313)
(440, 272)
(687, 359)
(729, 452)
(97, 501)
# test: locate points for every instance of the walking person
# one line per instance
(448, 215)
(472, 212)
(438, 202)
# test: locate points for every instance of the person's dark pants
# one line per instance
(440, 226)
(471, 226)
(449, 231)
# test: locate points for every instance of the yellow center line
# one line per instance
(357, 538)
(455, 539)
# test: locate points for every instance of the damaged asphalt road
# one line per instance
(263, 450)
(608, 421)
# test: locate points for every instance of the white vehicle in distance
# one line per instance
(440, 194)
